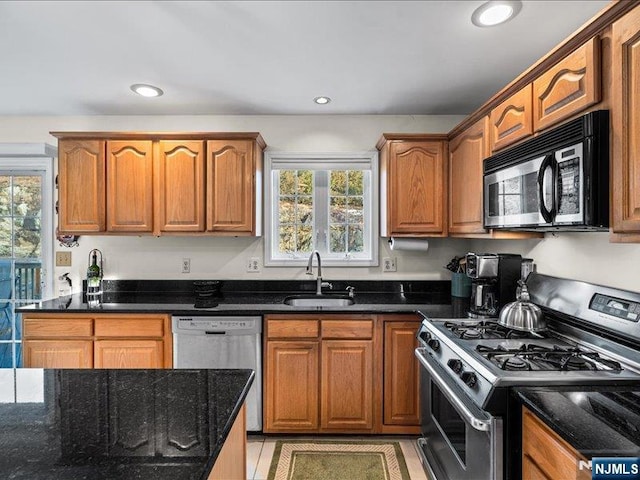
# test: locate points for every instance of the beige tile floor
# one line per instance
(260, 452)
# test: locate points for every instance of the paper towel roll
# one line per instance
(409, 244)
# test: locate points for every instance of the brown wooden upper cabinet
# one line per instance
(413, 180)
(81, 186)
(143, 183)
(569, 87)
(129, 186)
(231, 187)
(625, 114)
(466, 154)
(181, 185)
(512, 119)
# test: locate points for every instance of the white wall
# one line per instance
(585, 256)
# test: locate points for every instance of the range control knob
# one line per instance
(469, 378)
(424, 336)
(434, 344)
(455, 365)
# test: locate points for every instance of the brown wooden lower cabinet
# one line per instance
(401, 373)
(347, 385)
(291, 386)
(546, 456)
(96, 341)
(58, 353)
(335, 373)
(231, 463)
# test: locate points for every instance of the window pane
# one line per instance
(338, 210)
(356, 182)
(287, 239)
(18, 325)
(305, 182)
(28, 276)
(6, 316)
(356, 238)
(6, 354)
(5, 195)
(337, 239)
(27, 195)
(26, 237)
(18, 354)
(356, 209)
(305, 210)
(287, 210)
(287, 182)
(338, 182)
(5, 237)
(305, 239)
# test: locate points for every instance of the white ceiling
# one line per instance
(267, 57)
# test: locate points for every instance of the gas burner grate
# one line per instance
(485, 330)
(538, 357)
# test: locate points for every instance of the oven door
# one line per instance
(520, 195)
(459, 440)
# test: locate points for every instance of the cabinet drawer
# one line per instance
(292, 328)
(125, 327)
(347, 329)
(77, 327)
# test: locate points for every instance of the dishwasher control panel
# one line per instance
(217, 324)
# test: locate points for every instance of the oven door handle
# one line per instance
(471, 419)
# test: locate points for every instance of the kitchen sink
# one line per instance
(318, 301)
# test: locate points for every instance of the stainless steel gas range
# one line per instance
(469, 367)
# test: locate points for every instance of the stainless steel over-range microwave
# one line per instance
(556, 181)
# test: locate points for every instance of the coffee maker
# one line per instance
(494, 278)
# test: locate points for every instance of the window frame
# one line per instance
(320, 161)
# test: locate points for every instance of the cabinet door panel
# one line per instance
(230, 186)
(401, 374)
(182, 426)
(58, 354)
(182, 186)
(416, 182)
(512, 119)
(81, 181)
(131, 417)
(291, 386)
(347, 385)
(625, 111)
(569, 87)
(129, 186)
(466, 154)
(128, 354)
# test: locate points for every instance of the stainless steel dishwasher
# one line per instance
(222, 342)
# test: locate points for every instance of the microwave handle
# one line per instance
(546, 213)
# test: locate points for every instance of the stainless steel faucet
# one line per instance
(319, 282)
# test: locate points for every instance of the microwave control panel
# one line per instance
(616, 307)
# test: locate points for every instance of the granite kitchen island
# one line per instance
(121, 424)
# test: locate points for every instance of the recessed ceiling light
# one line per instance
(322, 100)
(495, 12)
(146, 90)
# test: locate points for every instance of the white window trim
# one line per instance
(29, 158)
(320, 160)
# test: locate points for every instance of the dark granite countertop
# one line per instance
(116, 424)
(257, 297)
(596, 421)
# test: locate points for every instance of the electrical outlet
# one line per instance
(253, 265)
(389, 264)
(63, 259)
(186, 265)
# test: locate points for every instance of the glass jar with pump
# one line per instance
(94, 278)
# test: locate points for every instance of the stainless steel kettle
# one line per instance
(522, 314)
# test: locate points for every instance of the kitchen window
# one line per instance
(324, 202)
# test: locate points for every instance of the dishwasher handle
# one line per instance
(215, 333)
